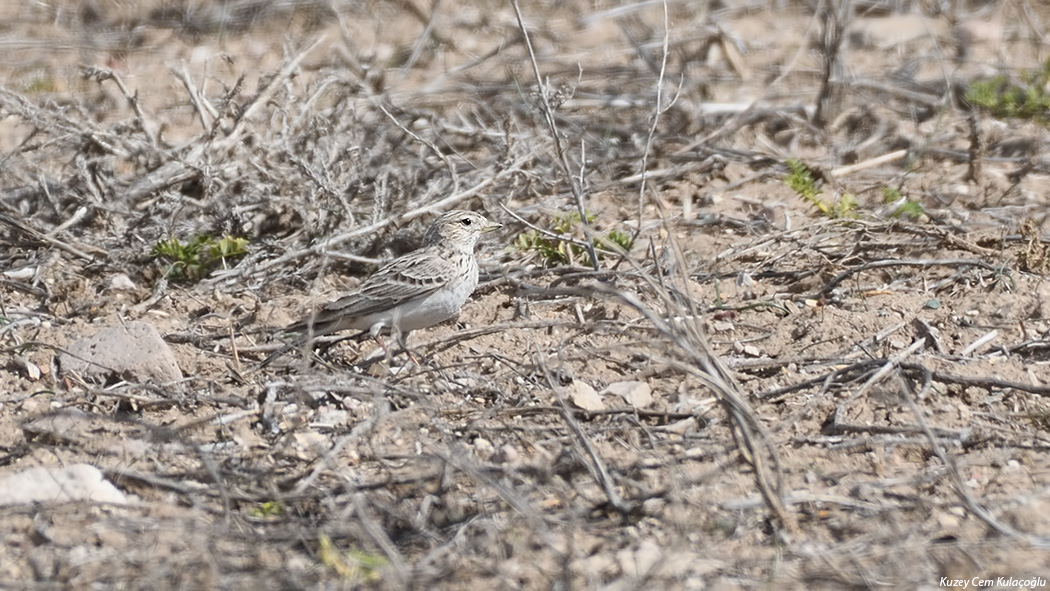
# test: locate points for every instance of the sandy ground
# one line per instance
(889, 370)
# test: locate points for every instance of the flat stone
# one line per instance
(637, 394)
(79, 482)
(134, 352)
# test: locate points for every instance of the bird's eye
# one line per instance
(465, 221)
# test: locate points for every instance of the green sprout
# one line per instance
(191, 261)
(267, 510)
(906, 208)
(804, 182)
(41, 84)
(355, 565)
(1027, 99)
(561, 249)
(615, 240)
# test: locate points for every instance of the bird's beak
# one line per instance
(491, 227)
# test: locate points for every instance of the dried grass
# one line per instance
(833, 459)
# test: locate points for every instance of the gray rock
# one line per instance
(79, 482)
(134, 352)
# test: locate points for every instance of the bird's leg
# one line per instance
(402, 341)
(382, 343)
(377, 336)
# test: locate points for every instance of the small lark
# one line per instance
(417, 290)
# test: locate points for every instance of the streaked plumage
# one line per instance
(417, 290)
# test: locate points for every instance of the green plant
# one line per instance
(41, 84)
(802, 180)
(906, 208)
(615, 240)
(355, 565)
(1027, 99)
(561, 249)
(267, 509)
(193, 260)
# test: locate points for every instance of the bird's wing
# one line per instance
(413, 276)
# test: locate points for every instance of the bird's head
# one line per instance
(459, 228)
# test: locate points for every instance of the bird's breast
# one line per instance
(442, 304)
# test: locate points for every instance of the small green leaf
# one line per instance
(558, 247)
(802, 180)
(193, 260)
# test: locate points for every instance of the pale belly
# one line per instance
(433, 309)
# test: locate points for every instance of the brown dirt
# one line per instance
(899, 466)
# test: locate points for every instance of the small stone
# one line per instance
(584, 396)
(636, 394)
(134, 352)
(483, 447)
(78, 482)
(722, 326)
(121, 282)
(653, 506)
